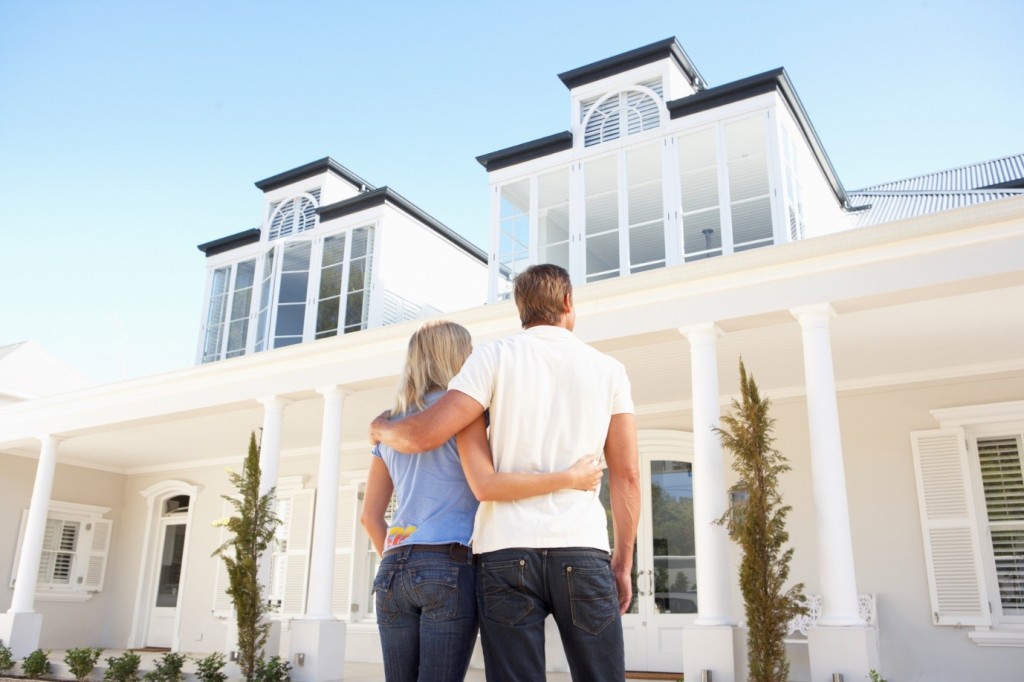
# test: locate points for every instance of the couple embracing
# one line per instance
(536, 544)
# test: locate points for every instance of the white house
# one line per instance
(700, 224)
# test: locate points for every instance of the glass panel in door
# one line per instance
(291, 301)
(664, 575)
(601, 223)
(170, 566)
(553, 218)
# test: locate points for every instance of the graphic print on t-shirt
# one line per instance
(397, 535)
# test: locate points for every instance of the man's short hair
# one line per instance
(540, 291)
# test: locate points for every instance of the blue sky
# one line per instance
(132, 131)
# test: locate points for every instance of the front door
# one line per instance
(664, 572)
(164, 604)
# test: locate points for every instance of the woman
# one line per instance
(425, 586)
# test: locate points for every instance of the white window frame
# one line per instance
(91, 552)
(979, 422)
(313, 282)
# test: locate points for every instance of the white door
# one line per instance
(664, 579)
(164, 601)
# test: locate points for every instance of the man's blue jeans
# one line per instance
(518, 588)
(426, 612)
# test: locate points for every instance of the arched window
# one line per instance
(623, 113)
(293, 216)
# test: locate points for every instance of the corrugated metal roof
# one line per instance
(889, 206)
(1008, 169)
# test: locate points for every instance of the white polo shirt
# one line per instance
(551, 398)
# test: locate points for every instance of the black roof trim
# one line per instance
(526, 151)
(745, 88)
(669, 47)
(309, 170)
(232, 241)
(385, 194)
(1015, 183)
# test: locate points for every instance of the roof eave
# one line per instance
(527, 151)
(641, 56)
(326, 164)
(232, 241)
(385, 194)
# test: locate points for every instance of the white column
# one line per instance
(270, 460)
(32, 545)
(321, 568)
(836, 575)
(270, 443)
(714, 574)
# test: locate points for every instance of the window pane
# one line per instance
(514, 227)
(289, 320)
(752, 221)
(355, 313)
(698, 170)
(330, 281)
(170, 566)
(647, 244)
(361, 241)
(672, 537)
(553, 217)
(557, 254)
(602, 254)
(334, 250)
(357, 275)
(701, 234)
(266, 297)
(294, 286)
(327, 317)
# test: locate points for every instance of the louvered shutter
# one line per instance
(222, 605)
(17, 549)
(300, 534)
(344, 541)
(96, 555)
(949, 524)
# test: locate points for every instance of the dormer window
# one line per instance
(620, 114)
(293, 216)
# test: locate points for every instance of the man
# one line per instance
(552, 400)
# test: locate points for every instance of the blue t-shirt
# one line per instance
(435, 505)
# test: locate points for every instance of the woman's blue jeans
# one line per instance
(426, 612)
(518, 588)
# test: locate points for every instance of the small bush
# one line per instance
(208, 669)
(274, 670)
(167, 669)
(123, 668)
(36, 664)
(82, 661)
(6, 657)
(875, 676)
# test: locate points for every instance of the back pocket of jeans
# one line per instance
(502, 594)
(384, 597)
(592, 597)
(436, 589)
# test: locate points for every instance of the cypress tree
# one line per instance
(251, 530)
(758, 526)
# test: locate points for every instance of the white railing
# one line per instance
(796, 631)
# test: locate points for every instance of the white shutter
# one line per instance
(17, 548)
(950, 528)
(222, 605)
(344, 541)
(300, 533)
(96, 555)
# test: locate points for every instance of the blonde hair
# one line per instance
(436, 353)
